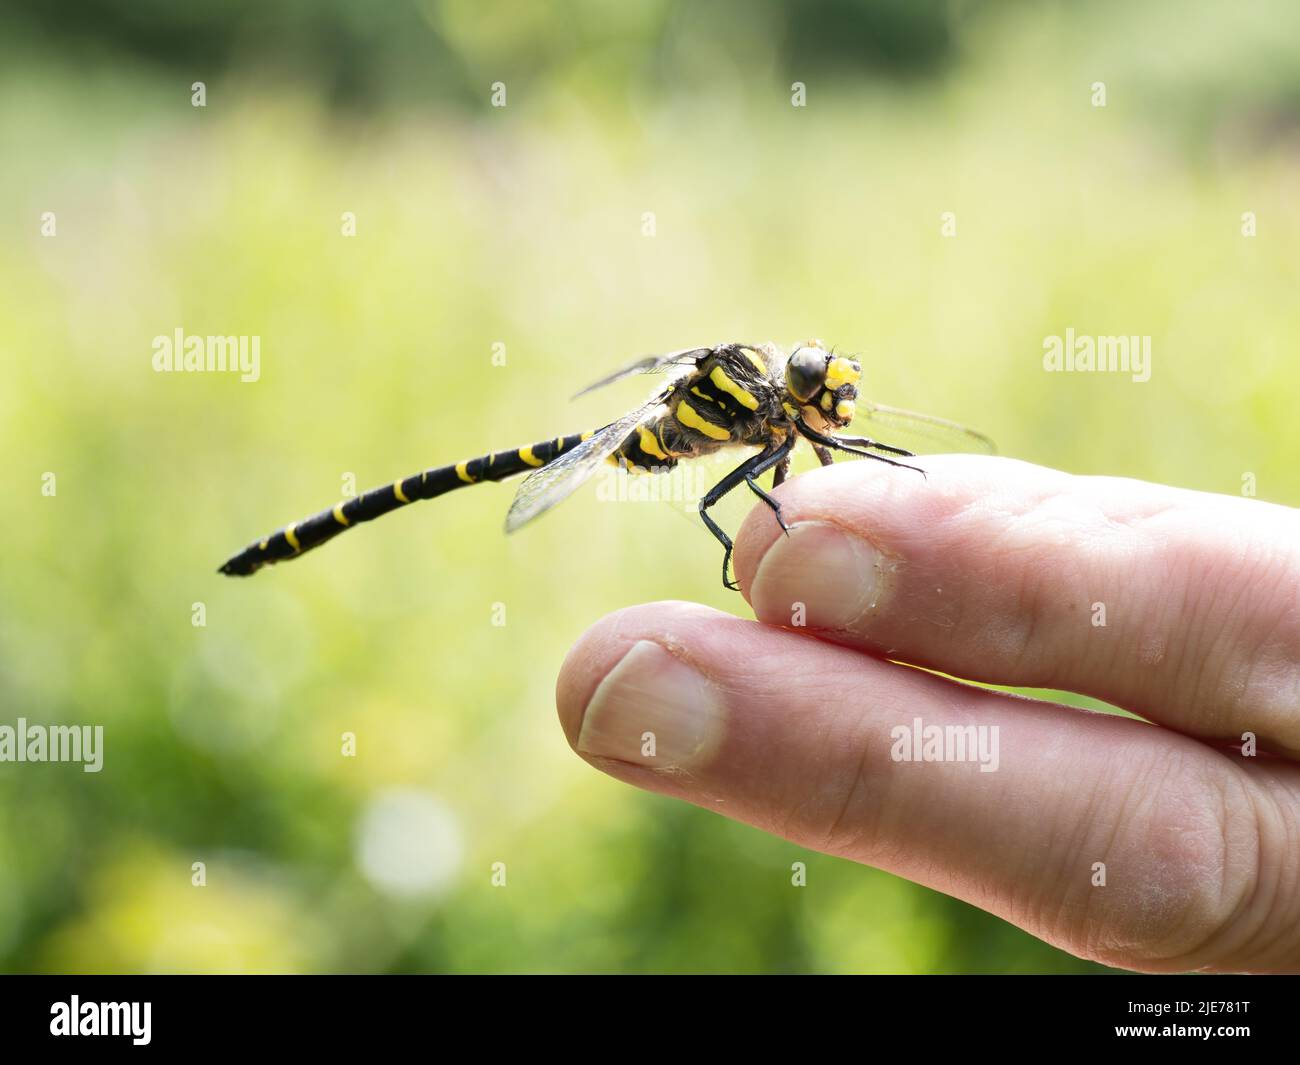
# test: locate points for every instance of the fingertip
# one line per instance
(824, 555)
(580, 673)
(602, 647)
(889, 513)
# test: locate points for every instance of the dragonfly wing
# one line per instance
(650, 364)
(556, 481)
(922, 433)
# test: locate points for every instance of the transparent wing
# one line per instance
(545, 487)
(922, 433)
(650, 364)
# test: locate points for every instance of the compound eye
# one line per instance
(805, 373)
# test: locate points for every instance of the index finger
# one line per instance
(1181, 606)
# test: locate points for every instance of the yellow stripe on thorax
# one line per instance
(726, 384)
(690, 417)
(754, 358)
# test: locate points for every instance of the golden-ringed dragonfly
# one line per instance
(732, 395)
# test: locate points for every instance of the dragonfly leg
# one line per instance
(862, 441)
(727, 548)
(778, 478)
(742, 474)
(838, 443)
(781, 472)
(776, 507)
(824, 455)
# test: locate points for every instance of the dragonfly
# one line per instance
(732, 395)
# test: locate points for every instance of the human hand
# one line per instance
(1001, 572)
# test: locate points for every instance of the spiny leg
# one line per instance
(863, 441)
(766, 498)
(837, 444)
(781, 472)
(727, 547)
(778, 479)
(824, 455)
(745, 472)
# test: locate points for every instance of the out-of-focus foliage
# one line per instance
(524, 226)
(360, 54)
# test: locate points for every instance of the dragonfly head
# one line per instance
(824, 385)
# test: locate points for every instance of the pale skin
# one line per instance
(995, 571)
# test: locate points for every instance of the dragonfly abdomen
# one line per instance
(301, 536)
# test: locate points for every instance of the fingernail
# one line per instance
(653, 710)
(820, 575)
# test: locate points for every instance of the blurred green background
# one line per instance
(523, 226)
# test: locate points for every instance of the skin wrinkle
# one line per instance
(962, 605)
(1203, 600)
(1040, 579)
(800, 817)
(797, 814)
(1138, 520)
(1277, 839)
(1095, 899)
(1213, 690)
(1034, 591)
(1244, 905)
(1079, 838)
(851, 793)
(1218, 816)
(1031, 593)
(1218, 687)
(1260, 682)
(855, 734)
(1179, 931)
(1028, 909)
(1286, 844)
(1248, 903)
(1167, 599)
(953, 703)
(1150, 916)
(1094, 545)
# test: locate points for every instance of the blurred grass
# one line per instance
(523, 226)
